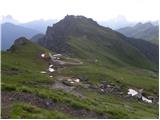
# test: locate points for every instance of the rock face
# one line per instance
(21, 41)
(56, 36)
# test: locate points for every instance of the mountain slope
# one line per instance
(106, 65)
(150, 50)
(10, 32)
(77, 35)
(36, 37)
(146, 31)
(28, 93)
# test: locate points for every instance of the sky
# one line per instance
(99, 10)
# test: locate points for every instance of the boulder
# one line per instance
(68, 83)
(83, 78)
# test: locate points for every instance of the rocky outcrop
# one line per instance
(18, 42)
(57, 35)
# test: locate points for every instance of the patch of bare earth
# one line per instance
(8, 98)
(70, 89)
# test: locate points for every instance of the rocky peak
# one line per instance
(70, 25)
(19, 42)
(71, 20)
(145, 25)
(79, 18)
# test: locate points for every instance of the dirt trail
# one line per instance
(10, 97)
(64, 63)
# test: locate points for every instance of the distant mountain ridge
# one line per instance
(10, 32)
(39, 25)
(116, 23)
(146, 31)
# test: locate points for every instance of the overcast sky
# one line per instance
(100, 10)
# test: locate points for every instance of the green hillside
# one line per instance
(146, 31)
(28, 91)
(83, 37)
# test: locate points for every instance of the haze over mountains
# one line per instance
(10, 32)
(116, 23)
(9, 19)
(147, 31)
(12, 29)
(40, 26)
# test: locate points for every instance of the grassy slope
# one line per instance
(21, 73)
(143, 32)
(25, 61)
(91, 40)
(129, 71)
(23, 110)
